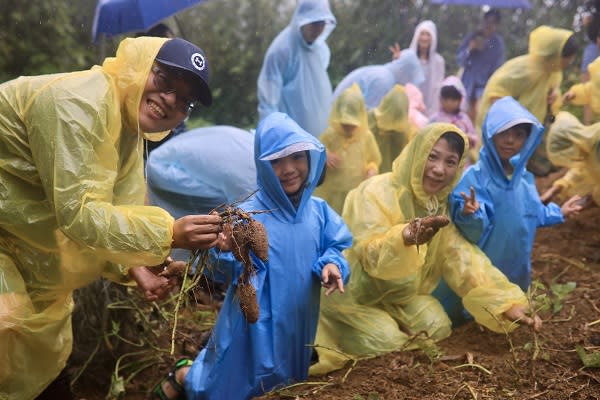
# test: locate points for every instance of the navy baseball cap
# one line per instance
(181, 54)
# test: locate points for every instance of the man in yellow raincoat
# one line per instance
(388, 303)
(352, 153)
(390, 125)
(71, 203)
(575, 146)
(533, 80)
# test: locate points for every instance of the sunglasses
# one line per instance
(165, 84)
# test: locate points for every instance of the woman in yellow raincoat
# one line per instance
(390, 125)
(587, 93)
(575, 146)
(73, 193)
(388, 303)
(352, 153)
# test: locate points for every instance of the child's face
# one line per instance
(450, 106)
(440, 168)
(509, 142)
(349, 129)
(292, 171)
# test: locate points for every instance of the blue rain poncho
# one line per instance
(388, 301)
(375, 81)
(71, 205)
(243, 360)
(293, 78)
(201, 169)
(510, 209)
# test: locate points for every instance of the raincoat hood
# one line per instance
(406, 68)
(309, 11)
(408, 168)
(274, 134)
(129, 70)
(545, 47)
(570, 142)
(430, 27)
(504, 114)
(457, 83)
(392, 112)
(350, 109)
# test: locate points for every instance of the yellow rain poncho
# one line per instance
(575, 146)
(357, 154)
(71, 205)
(388, 300)
(390, 125)
(530, 78)
(589, 92)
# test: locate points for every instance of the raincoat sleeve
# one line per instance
(77, 155)
(378, 239)
(550, 214)
(271, 82)
(582, 92)
(462, 54)
(486, 292)
(373, 155)
(335, 238)
(476, 226)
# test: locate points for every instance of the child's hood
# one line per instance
(276, 134)
(503, 114)
(392, 113)
(349, 108)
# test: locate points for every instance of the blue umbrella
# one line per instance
(114, 17)
(491, 3)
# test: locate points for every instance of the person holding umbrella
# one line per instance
(73, 194)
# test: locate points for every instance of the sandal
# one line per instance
(158, 391)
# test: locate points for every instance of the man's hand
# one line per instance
(154, 287)
(331, 279)
(196, 231)
(333, 160)
(471, 204)
(421, 230)
(549, 194)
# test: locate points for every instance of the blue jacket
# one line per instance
(510, 208)
(243, 360)
(293, 78)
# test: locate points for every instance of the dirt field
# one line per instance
(475, 363)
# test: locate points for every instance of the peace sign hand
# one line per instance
(471, 204)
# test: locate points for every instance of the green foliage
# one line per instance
(550, 300)
(589, 360)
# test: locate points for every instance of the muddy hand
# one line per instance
(421, 230)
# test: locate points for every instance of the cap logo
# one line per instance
(198, 61)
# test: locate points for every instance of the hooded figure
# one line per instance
(375, 81)
(510, 209)
(575, 146)
(72, 202)
(388, 301)
(293, 78)
(434, 67)
(416, 106)
(243, 360)
(349, 140)
(531, 77)
(390, 125)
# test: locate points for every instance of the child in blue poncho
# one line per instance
(496, 203)
(306, 240)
